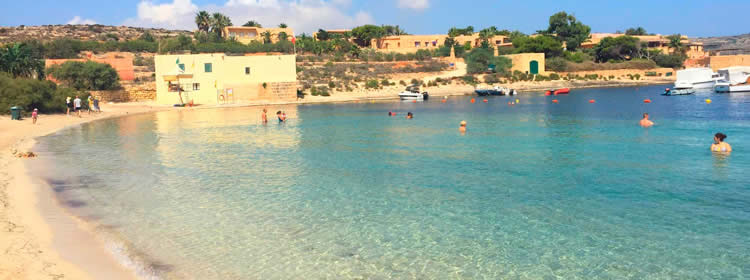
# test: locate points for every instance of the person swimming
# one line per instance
(645, 122)
(281, 117)
(462, 127)
(719, 145)
(263, 116)
(409, 115)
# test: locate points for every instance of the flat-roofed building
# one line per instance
(413, 43)
(247, 34)
(220, 79)
(660, 42)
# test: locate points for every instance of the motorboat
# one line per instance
(496, 90)
(696, 78)
(678, 91)
(412, 93)
(557, 91)
(734, 79)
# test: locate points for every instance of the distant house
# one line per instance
(661, 42)
(218, 78)
(413, 43)
(122, 62)
(247, 34)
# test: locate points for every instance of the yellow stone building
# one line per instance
(413, 43)
(661, 42)
(222, 79)
(724, 61)
(530, 63)
(245, 34)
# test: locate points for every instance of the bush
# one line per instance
(401, 82)
(491, 79)
(670, 60)
(592, 66)
(469, 79)
(651, 74)
(331, 84)
(86, 75)
(31, 93)
(554, 76)
(577, 57)
(385, 82)
(416, 82)
(556, 64)
(372, 84)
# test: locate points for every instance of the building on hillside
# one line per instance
(529, 63)
(694, 49)
(222, 79)
(247, 34)
(335, 32)
(413, 43)
(725, 61)
(122, 62)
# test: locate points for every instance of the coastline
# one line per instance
(27, 239)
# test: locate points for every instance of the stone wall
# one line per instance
(129, 93)
(724, 61)
(279, 91)
(623, 73)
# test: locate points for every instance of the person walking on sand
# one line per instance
(77, 106)
(645, 122)
(263, 116)
(719, 145)
(90, 101)
(34, 115)
(96, 105)
(462, 127)
(69, 105)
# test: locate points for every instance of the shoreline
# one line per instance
(28, 239)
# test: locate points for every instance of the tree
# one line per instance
(638, 31)
(479, 60)
(670, 60)
(283, 25)
(86, 75)
(32, 94)
(283, 36)
(18, 60)
(454, 32)
(363, 35)
(146, 36)
(266, 37)
(675, 43)
(616, 48)
(568, 29)
(323, 35)
(203, 21)
(218, 22)
(253, 23)
(393, 30)
(550, 46)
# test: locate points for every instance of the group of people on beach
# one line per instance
(281, 115)
(718, 146)
(75, 105)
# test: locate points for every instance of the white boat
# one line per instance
(696, 78)
(734, 79)
(412, 93)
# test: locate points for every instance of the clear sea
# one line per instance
(537, 190)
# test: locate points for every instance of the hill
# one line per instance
(81, 32)
(738, 44)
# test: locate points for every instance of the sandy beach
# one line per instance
(30, 244)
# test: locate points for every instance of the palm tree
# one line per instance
(203, 21)
(675, 43)
(18, 60)
(252, 23)
(282, 25)
(267, 37)
(219, 21)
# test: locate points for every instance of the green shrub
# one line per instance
(401, 82)
(651, 74)
(491, 79)
(469, 79)
(554, 76)
(556, 64)
(372, 84)
(416, 82)
(670, 60)
(86, 75)
(591, 76)
(385, 82)
(637, 76)
(31, 93)
(331, 84)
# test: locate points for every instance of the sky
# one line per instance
(688, 17)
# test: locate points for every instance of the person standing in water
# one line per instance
(263, 116)
(409, 116)
(645, 122)
(719, 145)
(462, 127)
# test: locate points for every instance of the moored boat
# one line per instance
(735, 79)
(558, 91)
(496, 90)
(678, 91)
(412, 93)
(696, 78)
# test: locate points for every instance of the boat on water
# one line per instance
(734, 79)
(412, 93)
(678, 91)
(557, 91)
(496, 90)
(696, 78)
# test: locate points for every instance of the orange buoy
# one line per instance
(472, 100)
(485, 101)
(592, 101)
(443, 100)
(554, 101)
(647, 101)
(413, 101)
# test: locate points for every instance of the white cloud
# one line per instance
(301, 15)
(414, 4)
(79, 20)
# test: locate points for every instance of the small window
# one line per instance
(434, 43)
(208, 67)
(416, 44)
(182, 66)
(196, 86)
(247, 70)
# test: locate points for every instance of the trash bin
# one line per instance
(15, 113)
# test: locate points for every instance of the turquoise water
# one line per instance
(538, 190)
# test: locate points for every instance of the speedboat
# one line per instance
(678, 91)
(496, 90)
(412, 93)
(734, 79)
(696, 78)
(557, 91)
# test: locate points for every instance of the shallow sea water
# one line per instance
(538, 190)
